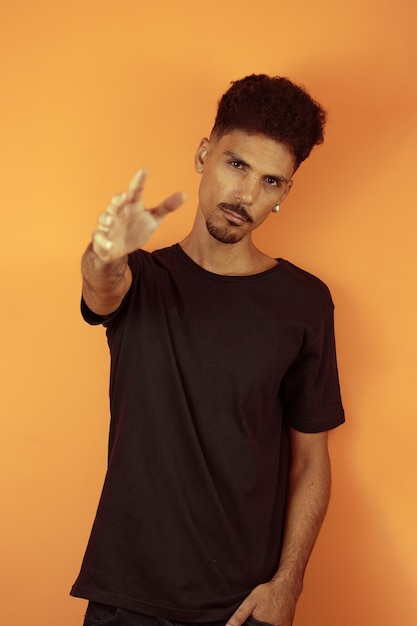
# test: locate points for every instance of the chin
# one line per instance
(224, 235)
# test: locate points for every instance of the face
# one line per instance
(243, 177)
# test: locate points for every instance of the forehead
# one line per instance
(260, 152)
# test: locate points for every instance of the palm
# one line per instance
(132, 230)
(126, 225)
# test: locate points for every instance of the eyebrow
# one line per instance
(236, 157)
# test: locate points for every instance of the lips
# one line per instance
(235, 214)
(234, 218)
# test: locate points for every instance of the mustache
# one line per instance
(236, 208)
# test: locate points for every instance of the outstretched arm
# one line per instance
(124, 227)
(308, 495)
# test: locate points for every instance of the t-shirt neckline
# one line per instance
(230, 278)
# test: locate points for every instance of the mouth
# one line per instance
(235, 214)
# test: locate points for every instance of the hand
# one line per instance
(126, 225)
(273, 602)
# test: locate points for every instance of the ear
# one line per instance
(200, 155)
(287, 191)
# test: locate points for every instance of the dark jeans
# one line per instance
(102, 614)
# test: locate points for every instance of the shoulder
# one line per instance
(304, 285)
(302, 278)
(142, 259)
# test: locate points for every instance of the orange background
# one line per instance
(90, 91)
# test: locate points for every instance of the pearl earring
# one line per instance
(275, 209)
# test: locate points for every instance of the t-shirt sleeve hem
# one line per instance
(94, 319)
(318, 426)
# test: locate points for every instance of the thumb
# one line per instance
(167, 206)
(241, 614)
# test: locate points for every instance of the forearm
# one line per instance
(121, 229)
(104, 283)
(275, 601)
(307, 501)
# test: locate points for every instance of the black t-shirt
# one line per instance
(207, 373)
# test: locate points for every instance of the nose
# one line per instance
(248, 189)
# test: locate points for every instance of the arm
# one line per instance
(308, 496)
(105, 284)
(123, 228)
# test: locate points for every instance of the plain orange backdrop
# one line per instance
(90, 91)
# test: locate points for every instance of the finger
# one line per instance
(117, 204)
(107, 224)
(241, 614)
(101, 244)
(170, 204)
(137, 185)
(105, 220)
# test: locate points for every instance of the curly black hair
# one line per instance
(272, 106)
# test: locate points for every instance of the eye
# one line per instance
(237, 165)
(273, 182)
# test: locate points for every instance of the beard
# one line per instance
(224, 234)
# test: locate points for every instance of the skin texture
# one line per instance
(246, 172)
(309, 491)
(243, 176)
(123, 227)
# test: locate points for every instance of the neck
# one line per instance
(227, 259)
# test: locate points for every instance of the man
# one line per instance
(223, 386)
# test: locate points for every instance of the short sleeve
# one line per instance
(93, 318)
(310, 389)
